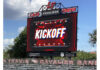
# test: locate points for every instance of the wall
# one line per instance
(34, 64)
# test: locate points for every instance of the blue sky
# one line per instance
(15, 18)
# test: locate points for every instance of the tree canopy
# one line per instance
(93, 36)
(18, 50)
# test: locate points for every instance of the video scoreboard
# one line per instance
(52, 29)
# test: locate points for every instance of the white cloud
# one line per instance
(14, 9)
(7, 42)
(20, 29)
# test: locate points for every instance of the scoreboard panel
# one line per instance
(56, 33)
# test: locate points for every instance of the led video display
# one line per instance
(51, 33)
(57, 33)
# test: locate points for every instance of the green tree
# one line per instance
(93, 36)
(82, 55)
(18, 50)
(5, 51)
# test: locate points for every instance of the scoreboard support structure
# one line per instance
(52, 31)
(62, 54)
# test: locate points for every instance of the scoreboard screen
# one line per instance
(50, 33)
(52, 29)
(56, 33)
